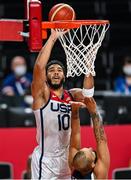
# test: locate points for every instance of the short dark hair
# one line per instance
(55, 62)
(81, 163)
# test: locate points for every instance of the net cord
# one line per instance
(80, 56)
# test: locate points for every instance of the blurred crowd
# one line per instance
(15, 94)
(18, 81)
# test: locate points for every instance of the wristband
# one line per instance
(88, 92)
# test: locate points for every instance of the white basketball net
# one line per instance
(81, 46)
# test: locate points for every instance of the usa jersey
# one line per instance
(53, 135)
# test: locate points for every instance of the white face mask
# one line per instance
(20, 70)
(28, 99)
(127, 70)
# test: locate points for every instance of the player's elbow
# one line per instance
(39, 66)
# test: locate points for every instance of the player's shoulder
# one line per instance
(75, 90)
(100, 170)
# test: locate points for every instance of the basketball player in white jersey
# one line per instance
(87, 163)
(53, 114)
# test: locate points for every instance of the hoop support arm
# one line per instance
(35, 32)
(10, 30)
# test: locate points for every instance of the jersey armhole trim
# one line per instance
(46, 103)
(70, 94)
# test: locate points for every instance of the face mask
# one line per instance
(127, 70)
(20, 70)
(28, 99)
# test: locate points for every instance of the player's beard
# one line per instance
(55, 86)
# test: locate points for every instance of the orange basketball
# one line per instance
(61, 12)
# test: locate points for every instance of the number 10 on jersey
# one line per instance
(63, 121)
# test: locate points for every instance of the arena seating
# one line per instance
(121, 173)
(6, 170)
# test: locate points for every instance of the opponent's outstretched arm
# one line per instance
(102, 166)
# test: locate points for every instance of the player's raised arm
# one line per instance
(39, 72)
(88, 86)
(103, 157)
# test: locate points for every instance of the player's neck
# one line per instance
(58, 92)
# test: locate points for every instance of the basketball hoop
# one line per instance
(80, 43)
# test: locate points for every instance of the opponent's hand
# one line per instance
(76, 105)
(90, 104)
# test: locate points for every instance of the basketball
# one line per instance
(61, 12)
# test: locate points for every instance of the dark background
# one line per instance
(108, 63)
(115, 45)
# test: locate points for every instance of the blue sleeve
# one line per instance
(29, 76)
(8, 81)
(119, 85)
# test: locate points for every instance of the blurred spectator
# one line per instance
(19, 81)
(123, 83)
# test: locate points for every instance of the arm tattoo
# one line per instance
(98, 128)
